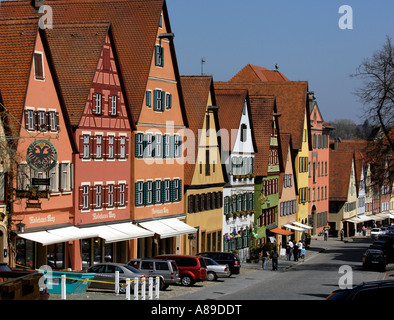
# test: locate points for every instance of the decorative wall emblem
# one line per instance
(41, 155)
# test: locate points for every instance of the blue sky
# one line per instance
(302, 36)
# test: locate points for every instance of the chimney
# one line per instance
(37, 3)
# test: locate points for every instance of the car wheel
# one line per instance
(187, 281)
(211, 276)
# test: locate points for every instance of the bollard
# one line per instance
(127, 289)
(117, 283)
(63, 287)
(157, 288)
(150, 289)
(143, 289)
(135, 288)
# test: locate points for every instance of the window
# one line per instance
(99, 197)
(159, 56)
(111, 145)
(207, 165)
(166, 191)
(148, 193)
(158, 146)
(86, 146)
(114, 105)
(64, 170)
(139, 145)
(139, 193)
(167, 143)
(158, 103)
(168, 101)
(99, 141)
(29, 119)
(97, 107)
(177, 146)
(53, 120)
(177, 190)
(149, 99)
(243, 132)
(122, 195)
(157, 191)
(85, 197)
(110, 196)
(148, 145)
(38, 66)
(42, 121)
(122, 147)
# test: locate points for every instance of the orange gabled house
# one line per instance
(40, 145)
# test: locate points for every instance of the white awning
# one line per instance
(293, 227)
(167, 228)
(390, 215)
(363, 217)
(378, 217)
(302, 225)
(354, 220)
(119, 232)
(58, 235)
(110, 233)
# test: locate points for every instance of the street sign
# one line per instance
(33, 205)
(40, 182)
(32, 194)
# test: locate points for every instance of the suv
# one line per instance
(167, 270)
(369, 291)
(225, 258)
(374, 259)
(191, 268)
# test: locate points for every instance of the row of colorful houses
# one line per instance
(108, 153)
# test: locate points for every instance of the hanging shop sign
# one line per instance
(41, 156)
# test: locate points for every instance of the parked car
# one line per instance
(375, 233)
(374, 259)
(191, 269)
(5, 267)
(369, 291)
(225, 258)
(105, 275)
(167, 270)
(216, 270)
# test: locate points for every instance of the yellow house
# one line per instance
(203, 170)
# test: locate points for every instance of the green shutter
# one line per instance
(172, 190)
(136, 193)
(180, 190)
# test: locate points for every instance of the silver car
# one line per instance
(105, 276)
(216, 270)
(167, 270)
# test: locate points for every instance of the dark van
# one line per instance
(225, 258)
(191, 269)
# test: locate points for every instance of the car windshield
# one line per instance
(132, 269)
(210, 262)
(375, 230)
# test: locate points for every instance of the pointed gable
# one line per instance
(18, 39)
(252, 73)
(75, 53)
(196, 91)
(231, 104)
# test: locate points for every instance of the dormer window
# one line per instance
(159, 56)
(38, 66)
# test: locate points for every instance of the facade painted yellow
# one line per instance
(203, 197)
(302, 173)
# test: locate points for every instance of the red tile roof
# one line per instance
(252, 73)
(17, 39)
(340, 168)
(75, 50)
(135, 25)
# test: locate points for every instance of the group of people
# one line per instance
(295, 249)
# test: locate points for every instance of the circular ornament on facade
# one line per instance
(41, 155)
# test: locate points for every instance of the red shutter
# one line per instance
(26, 119)
(80, 198)
(81, 146)
(127, 147)
(116, 196)
(92, 147)
(104, 195)
(57, 121)
(126, 194)
(104, 147)
(36, 120)
(92, 197)
(117, 147)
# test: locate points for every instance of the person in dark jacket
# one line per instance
(274, 260)
(295, 253)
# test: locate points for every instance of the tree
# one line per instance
(377, 95)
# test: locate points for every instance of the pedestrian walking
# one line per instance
(342, 234)
(325, 233)
(264, 257)
(303, 254)
(288, 253)
(299, 248)
(364, 231)
(274, 258)
(295, 253)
